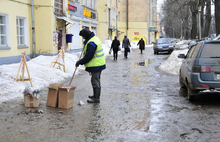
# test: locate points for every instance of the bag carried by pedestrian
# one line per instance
(119, 49)
(110, 51)
(130, 50)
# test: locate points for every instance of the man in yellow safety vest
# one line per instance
(94, 61)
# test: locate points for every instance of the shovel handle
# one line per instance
(76, 67)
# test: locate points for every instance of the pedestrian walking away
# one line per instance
(115, 46)
(94, 61)
(126, 45)
(141, 44)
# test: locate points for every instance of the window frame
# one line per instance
(59, 8)
(7, 44)
(25, 44)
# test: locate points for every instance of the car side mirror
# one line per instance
(182, 56)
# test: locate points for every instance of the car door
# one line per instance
(186, 66)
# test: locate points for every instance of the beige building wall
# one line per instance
(135, 24)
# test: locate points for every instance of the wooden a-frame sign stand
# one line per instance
(23, 59)
(57, 57)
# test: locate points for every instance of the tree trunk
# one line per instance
(194, 11)
(217, 16)
(208, 18)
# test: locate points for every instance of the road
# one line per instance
(139, 103)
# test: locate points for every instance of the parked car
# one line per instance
(173, 41)
(217, 38)
(163, 44)
(200, 69)
(192, 42)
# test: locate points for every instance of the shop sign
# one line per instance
(72, 8)
(87, 13)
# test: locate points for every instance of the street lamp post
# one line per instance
(199, 9)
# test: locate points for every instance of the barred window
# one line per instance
(58, 4)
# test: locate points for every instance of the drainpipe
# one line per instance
(33, 31)
(127, 17)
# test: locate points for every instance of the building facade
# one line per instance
(134, 19)
(36, 27)
(108, 17)
(83, 14)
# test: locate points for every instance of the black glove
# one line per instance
(77, 64)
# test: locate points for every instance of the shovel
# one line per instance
(76, 67)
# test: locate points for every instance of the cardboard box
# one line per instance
(52, 97)
(30, 101)
(66, 96)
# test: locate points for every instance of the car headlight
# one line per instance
(171, 46)
(159, 47)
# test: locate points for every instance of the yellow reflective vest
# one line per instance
(99, 56)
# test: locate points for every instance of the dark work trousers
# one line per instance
(95, 79)
(115, 54)
(126, 53)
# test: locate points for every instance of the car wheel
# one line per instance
(157, 52)
(190, 96)
(154, 52)
(182, 85)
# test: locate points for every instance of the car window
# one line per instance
(163, 40)
(190, 51)
(211, 50)
(196, 50)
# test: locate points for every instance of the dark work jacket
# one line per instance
(91, 48)
(141, 44)
(115, 45)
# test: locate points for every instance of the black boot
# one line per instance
(92, 97)
(97, 92)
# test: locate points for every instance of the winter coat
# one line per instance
(126, 43)
(141, 44)
(115, 45)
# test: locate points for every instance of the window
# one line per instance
(87, 3)
(20, 31)
(91, 4)
(3, 38)
(95, 5)
(118, 16)
(58, 4)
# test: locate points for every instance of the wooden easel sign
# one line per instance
(23, 63)
(59, 59)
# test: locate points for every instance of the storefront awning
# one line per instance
(65, 19)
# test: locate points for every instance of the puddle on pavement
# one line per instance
(145, 63)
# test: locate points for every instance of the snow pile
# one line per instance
(173, 63)
(43, 75)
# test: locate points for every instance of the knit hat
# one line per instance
(85, 33)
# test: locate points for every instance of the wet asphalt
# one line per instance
(139, 103)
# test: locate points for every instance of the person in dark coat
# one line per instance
(141, 44)
(115, 46)
(126, 44)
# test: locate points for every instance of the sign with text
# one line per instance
(72, 8)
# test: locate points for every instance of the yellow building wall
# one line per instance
(136, 31)
(45, 24)
(13, 9)
(102, 27)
